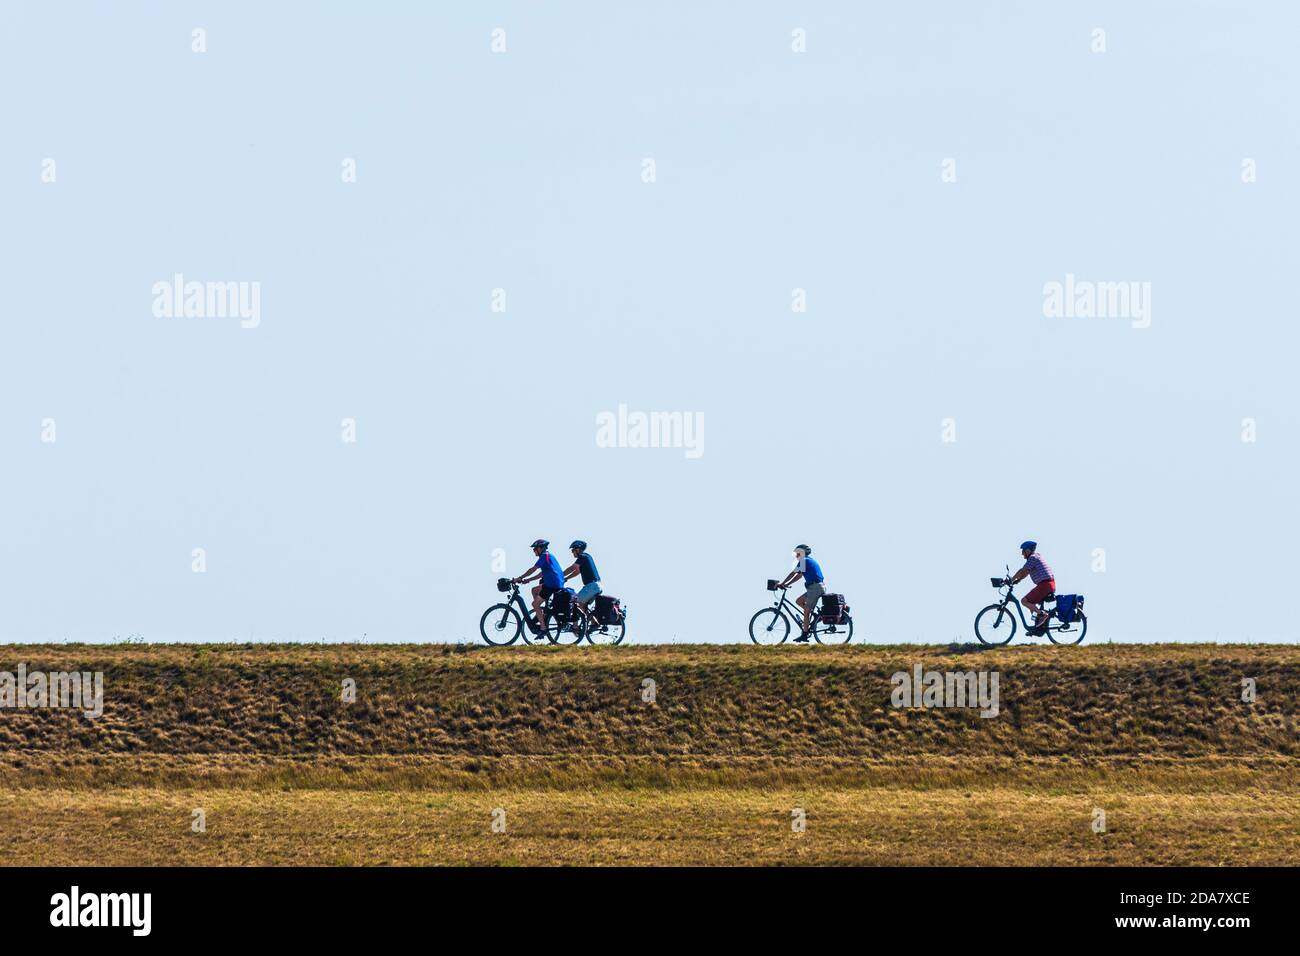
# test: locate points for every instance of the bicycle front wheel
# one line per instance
(501, 625)
(769, 626)
(1071, 633)
(835, 633)
(995, 625)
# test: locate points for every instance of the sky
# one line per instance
(820, 231)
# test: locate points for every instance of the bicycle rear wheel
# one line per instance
(834, 633)
(1071, 633)
(605, 634)
(769, 626)
(995, 625)
(500, 625)
(562, 632)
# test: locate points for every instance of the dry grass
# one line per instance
(1157, 736)
(666, 827)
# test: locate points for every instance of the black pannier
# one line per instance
(834, 609)
(608, 609)
(562, 604)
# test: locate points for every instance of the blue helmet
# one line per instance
(579, 544)
(540, 543)
(1030, 545)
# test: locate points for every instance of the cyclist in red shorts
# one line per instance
(1044, 584)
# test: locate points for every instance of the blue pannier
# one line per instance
(1069, 607)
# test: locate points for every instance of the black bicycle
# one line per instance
(503, 624)
(771, 625)
(595, 629)
(996, 624)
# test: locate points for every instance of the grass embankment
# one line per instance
(586, 770)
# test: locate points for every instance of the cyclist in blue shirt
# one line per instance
(814, 586)
(548, 569)
(584, 565)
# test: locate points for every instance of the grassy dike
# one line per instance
(586, 770)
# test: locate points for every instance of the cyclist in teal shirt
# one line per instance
(548, 569)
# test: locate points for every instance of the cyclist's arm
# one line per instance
(790, 578)
(1019, 576)
(571, 571)
(529, 575)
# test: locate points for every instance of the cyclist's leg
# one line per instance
(538, 600)
(585, 597)
(1033, 601)
(808, 601)
(1051, 592)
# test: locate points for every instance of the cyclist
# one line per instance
(548, 569)
(584, 565)
(1044, 585)
(814, 586)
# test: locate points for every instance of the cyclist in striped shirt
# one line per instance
(1044, 583)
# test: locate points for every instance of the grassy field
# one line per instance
(561, 750)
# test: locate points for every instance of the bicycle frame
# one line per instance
(524, 609)
(1010, 598)
(783, 601)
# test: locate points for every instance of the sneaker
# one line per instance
(802, 639)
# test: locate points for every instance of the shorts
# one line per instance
(547, 592)
(588, 592)
(1038, 592)
(813, 591)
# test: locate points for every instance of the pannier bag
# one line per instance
(1069, 607)
(562, 603)
(608, 609)
(834, 610)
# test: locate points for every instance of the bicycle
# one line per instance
(596, 632)
(1000, 627)
(771, 625)
(503, 624)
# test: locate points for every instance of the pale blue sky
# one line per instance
(522, 171)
